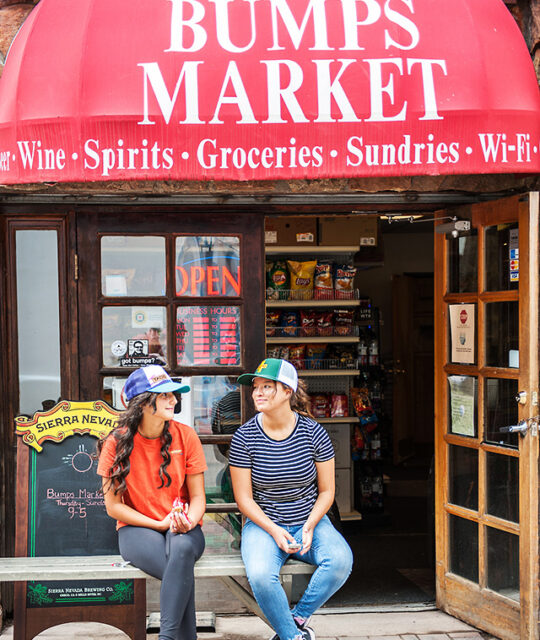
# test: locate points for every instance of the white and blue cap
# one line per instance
(273, 369)
(152, 378)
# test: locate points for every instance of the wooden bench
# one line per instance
(225, 568)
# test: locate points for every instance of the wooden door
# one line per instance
(486, 356)
(412, 329)
(185, 291)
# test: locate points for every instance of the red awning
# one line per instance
(267, 89)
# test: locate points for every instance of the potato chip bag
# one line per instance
(277, 280)
(302, 279)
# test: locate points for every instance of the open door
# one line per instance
(486, 418)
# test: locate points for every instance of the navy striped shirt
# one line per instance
(283, 472)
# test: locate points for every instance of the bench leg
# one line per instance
(244, 596)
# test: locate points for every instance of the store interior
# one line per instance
(373, 392)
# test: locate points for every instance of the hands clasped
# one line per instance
(179, 519)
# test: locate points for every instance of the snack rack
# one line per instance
(326, 376)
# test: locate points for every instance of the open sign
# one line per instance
(211, 280)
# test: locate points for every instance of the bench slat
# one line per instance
(114, 567)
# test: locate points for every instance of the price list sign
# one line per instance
(208, 336)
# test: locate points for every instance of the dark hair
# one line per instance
(300, 401)
(124, 432)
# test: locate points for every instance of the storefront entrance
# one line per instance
(188, 290)
(486, 418)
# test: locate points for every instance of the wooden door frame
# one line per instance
(467, 597)
(21, 219)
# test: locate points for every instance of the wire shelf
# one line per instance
(314, 294)
(311, 332)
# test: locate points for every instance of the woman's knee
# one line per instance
(186, 548)
(340, 561)
(261, 577)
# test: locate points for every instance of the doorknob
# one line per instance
(521, 397)
(522, 427)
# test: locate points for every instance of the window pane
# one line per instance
(502, 486)
(463, 470)
(502, 257)
(503, 563)
(132, 266)
(212, 406)
(501, 410)
(134, 336)
(39, 332)
(502, 334)
(463, 264)
(208, 266)
(463, 399)
(464, 548)
(208, 336)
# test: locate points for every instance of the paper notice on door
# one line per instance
(462, 321)
(462, 390)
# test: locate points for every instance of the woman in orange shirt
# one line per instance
(152, 472)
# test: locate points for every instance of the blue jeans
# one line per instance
(263, 560)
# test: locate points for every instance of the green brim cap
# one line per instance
(273, 369)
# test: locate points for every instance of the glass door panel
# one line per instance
(502, 257)
(502, 487)
(463, 263)
(133, 266)
(463, 477)
(503, 563)
(502, 334)
(463, 544)
(134, 336)
(500, 410)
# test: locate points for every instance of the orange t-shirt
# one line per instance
(142, 481)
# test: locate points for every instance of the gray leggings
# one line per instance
(170, 558)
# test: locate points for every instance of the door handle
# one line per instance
(522, 427)
(521, 397)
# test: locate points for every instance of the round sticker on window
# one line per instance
(118, 348)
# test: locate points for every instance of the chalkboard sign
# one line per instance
(64, 508)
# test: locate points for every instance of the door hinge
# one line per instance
(76, 267)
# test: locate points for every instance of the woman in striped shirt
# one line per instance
(282, 470)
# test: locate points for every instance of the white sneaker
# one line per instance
(308, 633)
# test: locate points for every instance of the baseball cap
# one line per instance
(273, 369)
(151, 378)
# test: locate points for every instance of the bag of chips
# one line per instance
(343, 357)
(308, 322)
(339, 405)
(343, 322)
(277, 280)
(320, 405)
(289, 322)
(324, 323)
(344, 281)
(272, 323)
(280, 351)
(301, 278)
(315, 355)
(297, 355)
(323, 281)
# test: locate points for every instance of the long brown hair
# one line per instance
(300, 401)
(124, 432)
